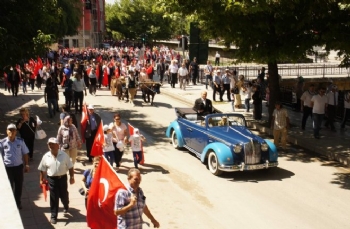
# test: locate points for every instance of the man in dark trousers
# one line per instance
(14, 153)
(54, 167)
(194, 68)
(94, 121)
(203, 106)
(14, 78)
(161, 70)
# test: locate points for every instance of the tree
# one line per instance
(270, 31)
(134, 18)
(27, 28)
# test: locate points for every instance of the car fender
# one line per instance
(223, 152)
(175, 126)
(273, 153)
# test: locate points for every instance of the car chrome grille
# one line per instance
(252, 153)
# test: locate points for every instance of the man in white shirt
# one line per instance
(208, 75)
(318, 104)
(332, 101)
(182, 74)
(306, 104)
(346, 109)
(78, 88)
(217, 58)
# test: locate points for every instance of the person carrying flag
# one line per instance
(130, 204)
(135, 141)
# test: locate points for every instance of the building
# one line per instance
(92, 27)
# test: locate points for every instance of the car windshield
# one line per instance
(226, 120)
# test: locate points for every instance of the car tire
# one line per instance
(213, 164)
(174, 140)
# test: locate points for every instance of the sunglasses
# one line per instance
(117, 119)
(12, 130)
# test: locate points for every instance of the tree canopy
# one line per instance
(270, 31)
(131, 19)
(28, 27)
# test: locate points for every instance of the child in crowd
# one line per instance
(135, 141)
(108, 148)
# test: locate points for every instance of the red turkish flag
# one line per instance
(131, 132)
(99, 141)
(97, 71)
(83, 122)
(100, 205)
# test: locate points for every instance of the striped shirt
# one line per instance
(132, 219)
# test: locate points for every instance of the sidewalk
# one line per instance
(333, 145)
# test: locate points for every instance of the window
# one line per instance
(75, 43)
(66, 43)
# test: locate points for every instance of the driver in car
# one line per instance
(203, 106)
(223, 121)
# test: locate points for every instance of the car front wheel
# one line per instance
(213, 164)
(174, 140)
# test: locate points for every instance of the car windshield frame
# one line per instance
(217, 120)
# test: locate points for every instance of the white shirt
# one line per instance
(217, 55)
(183, 71)
(109, 143)
(173, 68)
(319, 104)
(248, 93)
(119, 132)
(330, 98)
(306, 97)
(135, 142)
(58, 166)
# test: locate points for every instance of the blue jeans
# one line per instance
(110, 157)
(210, 79)
(137, 157)
(247, 104)
(52, 103)
(318, 118)
(24, 86)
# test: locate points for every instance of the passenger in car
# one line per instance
(223, 121)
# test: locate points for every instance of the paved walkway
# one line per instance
(36, 213)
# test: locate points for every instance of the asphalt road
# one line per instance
(305, 191)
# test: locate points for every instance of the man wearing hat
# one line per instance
(14, 153)
(332, 101)
(93, 123)
(54, 167)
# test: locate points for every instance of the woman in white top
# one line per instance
(247, 91)
(119, 132)
(173, 68)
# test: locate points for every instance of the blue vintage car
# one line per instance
(222, 141)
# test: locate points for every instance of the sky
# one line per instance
(110, 1)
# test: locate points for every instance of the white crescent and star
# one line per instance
(105, 183)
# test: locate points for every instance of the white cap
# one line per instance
(111, 125)
(136, 132)
(105, 128)
(91, 107)
(11, 126)
(52, 140)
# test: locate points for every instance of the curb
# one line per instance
(339, 157)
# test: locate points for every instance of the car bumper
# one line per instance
(243, 167)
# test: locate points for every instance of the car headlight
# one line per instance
(237, 148)
(264, 146)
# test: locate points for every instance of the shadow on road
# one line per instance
(257, 176)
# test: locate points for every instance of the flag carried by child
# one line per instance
(131, 132)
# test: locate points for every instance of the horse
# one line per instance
(149, 89)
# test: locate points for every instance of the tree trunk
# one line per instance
(274, 87)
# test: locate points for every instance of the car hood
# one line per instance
(234, 135)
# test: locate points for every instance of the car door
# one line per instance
(186, 130)
(199, 138)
